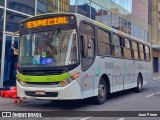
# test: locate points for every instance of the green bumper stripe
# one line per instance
(49, 78)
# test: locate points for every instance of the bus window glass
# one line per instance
(90, 47)
(141, 51)
(117, 48)
(127, 43)
(135, 50)
(134, 46)
(147, 53)
(140, 47)
(87, 30)
(104, 45)
(146, 49)
(127, 49)
(103, 36)
(115, 40)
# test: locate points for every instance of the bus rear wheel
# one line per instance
(139, 84)
(102, 92)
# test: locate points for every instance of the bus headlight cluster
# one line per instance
(69, 80)
(21, 82)
(66, 82)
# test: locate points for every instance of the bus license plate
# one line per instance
(40, 93)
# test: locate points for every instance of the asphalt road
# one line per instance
(147, 100)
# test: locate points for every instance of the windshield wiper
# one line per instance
(54, 35)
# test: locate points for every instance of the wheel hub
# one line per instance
(102, 91)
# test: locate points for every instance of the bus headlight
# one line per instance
(65, 82)
(69, 80)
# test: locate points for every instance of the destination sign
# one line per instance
(47, 22)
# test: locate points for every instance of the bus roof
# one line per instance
(82, 17)
(110, 29)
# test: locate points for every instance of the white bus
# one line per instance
(69, 56)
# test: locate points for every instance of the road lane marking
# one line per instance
(85, 118)
(150, 95)
(121, 119)
(153, 94)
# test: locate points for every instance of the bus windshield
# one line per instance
(49, 48)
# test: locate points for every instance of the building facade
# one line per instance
(154, 21)
(129, 16)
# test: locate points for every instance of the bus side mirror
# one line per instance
(84, 48)
(12, 44)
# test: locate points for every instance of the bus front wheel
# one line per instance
(102, 92)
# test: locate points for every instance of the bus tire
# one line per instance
(102, 93)
(139, 84)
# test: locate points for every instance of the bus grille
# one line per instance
(41, 72)
(42, 83)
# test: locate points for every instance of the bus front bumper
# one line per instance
(70, 92)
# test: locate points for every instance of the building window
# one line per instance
(22, 6)
(83, 7)
(96, 12)
(1, 2)
(115, 21)
(106, 17)
(12, 21)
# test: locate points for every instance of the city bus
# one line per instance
(67, 56)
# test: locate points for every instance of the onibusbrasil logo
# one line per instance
(21, 114)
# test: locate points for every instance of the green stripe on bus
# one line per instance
(103, 26)
(99, 70)
(49, 78)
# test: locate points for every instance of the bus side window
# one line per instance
(117, 46)
(147, 53)
(127, 49)
(141, 51)
(104, 44)
(135, 50)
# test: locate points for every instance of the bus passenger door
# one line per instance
(88, 66)
(88, 47)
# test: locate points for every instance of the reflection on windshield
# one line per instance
(48, 48)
